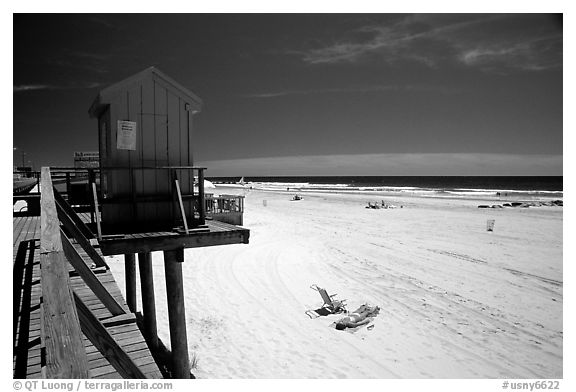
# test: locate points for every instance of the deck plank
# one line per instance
(22, 229)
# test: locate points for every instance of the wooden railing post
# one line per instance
(61, 334)
(68, 186)
(202, 206)
(176, 312)
(91, 180)
(91, 177)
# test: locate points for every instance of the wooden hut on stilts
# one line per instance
(146, 196)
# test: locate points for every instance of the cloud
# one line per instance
(532, 55)
(32, 87)
(29, 87)
(389, 39)
(82, 61)
(440, 164)
(470, 40)
(365, 89)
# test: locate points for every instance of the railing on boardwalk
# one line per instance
(76, 185)
(25, 181)
(64, 314)
(62, 336)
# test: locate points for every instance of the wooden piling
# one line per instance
(148, 301)
(176, 312)
(130, 269)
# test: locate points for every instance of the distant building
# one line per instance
(86, 160)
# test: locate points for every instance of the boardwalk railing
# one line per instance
(77, 184)
(25, 181)
(61, 332)
(71, 176)
(64, 315)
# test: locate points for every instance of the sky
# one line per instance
(309, 94)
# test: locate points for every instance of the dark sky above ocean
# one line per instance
(309, 94)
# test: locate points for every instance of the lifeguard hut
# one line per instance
(145, 142)
(147, 198)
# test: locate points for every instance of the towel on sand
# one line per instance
(318, 312)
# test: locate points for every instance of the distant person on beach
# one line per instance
(359, 317)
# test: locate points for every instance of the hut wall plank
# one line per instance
(122, 183)
(174, 142)
(111, 212)
(134, 157)
(148, 127)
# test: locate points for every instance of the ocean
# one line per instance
(455, 186)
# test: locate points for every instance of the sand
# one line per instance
(456, 300)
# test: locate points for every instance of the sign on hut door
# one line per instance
(126, 135)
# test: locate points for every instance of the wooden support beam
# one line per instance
(61, 333)
(181, 204)
(105, 343)
(148, 299)
(130, 272)
(62, 203)
(114, 246)
(177, 313)
(96, 211)
(69, 225)
(89, 278)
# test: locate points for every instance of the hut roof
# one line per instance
(106, 95)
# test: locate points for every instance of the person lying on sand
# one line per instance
(359, 317)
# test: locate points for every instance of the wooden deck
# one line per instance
(215, 233)
(70, 319)
(27, 344)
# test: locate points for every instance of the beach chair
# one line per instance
(331, 304)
